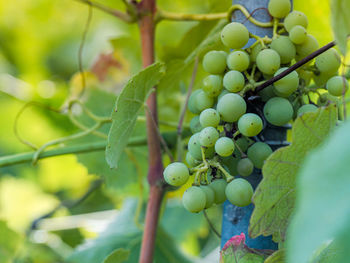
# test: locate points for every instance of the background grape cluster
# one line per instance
(230, 114)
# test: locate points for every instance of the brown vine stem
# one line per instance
(295, 66)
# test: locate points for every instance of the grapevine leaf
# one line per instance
(129, 103)
(322, 205)
(275, 196)
(119, 255)
(9, 243)
(277, 257)
(340, 21)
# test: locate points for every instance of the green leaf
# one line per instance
(128, 105)
(119, 255)
(277, 257)
(340, 21)
(274, 198)
(322, 206)
(10, 242)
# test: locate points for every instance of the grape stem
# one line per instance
(229, 177)
(275, 27)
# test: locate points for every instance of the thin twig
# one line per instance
(211, 225)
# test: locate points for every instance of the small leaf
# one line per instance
(119, 255)
(129, 103)
(340, 21)
(277, 257)
(9, 243)
(275, 196)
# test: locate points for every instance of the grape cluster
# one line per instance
(226, 144)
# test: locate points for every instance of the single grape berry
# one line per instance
(245, 167)
(192, 162)
(209, 118)
(235, 35)
(219, 186)
(267, 93)
(243, 143)
(279, 8)
(208, 136)
(195, 125)
(212, 85)
(239, 192)
(268, 61)
(288, 84)
(285, 48)
(194, 148)
(194, 199)
(224, 146)
(250, 124)
(203, 101)
(298, 34)
(295, 18)
(234, 81)
(278, 111)
(337, 86)
(307, 108)
(329, 61)
(307, 47)
(238, 60)
(176, 174)
(223, 93)
(209, 195)
(322, 78)
(214, 62)
(230, 163)
(258, 153)
(231, 107)
(192, 106)
(254, 52)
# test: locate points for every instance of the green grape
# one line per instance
(268, 61)
(235, 35)
(278, 111)
(243, 143)
(239, 192)
(322, 78)
(234, 81)
(329, 61)
(305, 75)
(209, 118)
(231, 107)
(245, 167)
(192, 162)
(176, 174)
(194, 199)
(307, 108)
(223, 93)
(218, 187)
(195, 125)
(285, 48)
(250, 124)
(212, 85)
(238, 60)
(192, 106)
(209, 195)
(203, 101)
(230, 163)
(267, 93)
(279, 8)
(258, 153)
(337, 86)
(295, 18)
(298, 34)
(224, 146)
(254, 52)
(208, 136)
(288, 84)
(194, 148)
(214, 62)
(307, 47)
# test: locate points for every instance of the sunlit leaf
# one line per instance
(340, 21)
(119, 255)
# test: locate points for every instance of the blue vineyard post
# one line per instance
(236, 219)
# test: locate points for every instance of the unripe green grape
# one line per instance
(224, 146)
(305, 75)
(234, 81)
(243, 143)
(195, 125)
(212, 85)
(298, 34)
(223, 93)
(230, 163)
(278, 111)
(337, 86)
(209, 118)
(245, 167)
(267, 93)
(322, 78)
(203, 101)
(176, 174)
(250, 124)
(239, 192)
(279, 8)
(219, 186)
(208, 137)
(214, 62)
(258, 153)
(268, 61)
(254, 52)
(231, 107)
(235, 35)
(192, 162)
(307, 47)
(284, 47)
(329, 61)
(194, 199)
(209, 195)
(238, 60)
(295, 18)
(192, 106)
(307, 108)
(288, 84)
(194, 147)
